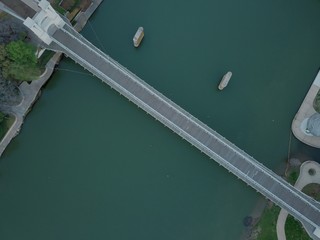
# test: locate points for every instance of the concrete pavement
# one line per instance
(299, 123)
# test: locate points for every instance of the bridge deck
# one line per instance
(198, 134)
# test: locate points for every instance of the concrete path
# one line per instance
(304, 179)
(306, 110)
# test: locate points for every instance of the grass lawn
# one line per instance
(294, 230)
(293, 175)
(57, 7)
(313, 190)
(267, 224)
(265, 229)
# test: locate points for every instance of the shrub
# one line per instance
(316, 102)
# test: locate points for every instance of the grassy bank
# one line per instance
(44, 59)
(5, 125)
(294, 230)
(265, 229)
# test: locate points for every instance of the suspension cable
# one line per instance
(72, 71)
(96, 36)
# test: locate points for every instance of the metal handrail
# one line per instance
(203, 147)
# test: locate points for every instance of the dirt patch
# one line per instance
(70, 5)
(85, 4)
(313, 190)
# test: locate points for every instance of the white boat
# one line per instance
(138, 37)
(225, 80)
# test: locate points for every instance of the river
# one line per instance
(88, 164)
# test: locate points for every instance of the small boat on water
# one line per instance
(138, 37)
(225, 80)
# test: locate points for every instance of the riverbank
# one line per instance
(6, 124)
(31, 91)
(89, 164)
(274, 222)
(309, 173)
(299, 123)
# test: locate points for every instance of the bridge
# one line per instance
(60, 35)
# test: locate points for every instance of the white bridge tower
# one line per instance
(45, 22)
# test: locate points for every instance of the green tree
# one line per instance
(5, 67)
(21, 52)
(2, 125)
(2, 117)
(23, 72)
(316, 102)
(3, 53)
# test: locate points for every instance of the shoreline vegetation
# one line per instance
(316, 102)
(6, 121)
(264, 228)
(18, 60)
(19, 53)
(22, 73)
(16, 47)
(70, 8)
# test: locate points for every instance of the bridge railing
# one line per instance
(188, 137)
(78, 37)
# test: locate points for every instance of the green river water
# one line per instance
(88, 164)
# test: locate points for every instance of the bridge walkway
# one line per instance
(197, 133)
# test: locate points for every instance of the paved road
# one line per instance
(30, 92)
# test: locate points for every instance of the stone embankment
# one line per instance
(30, 92)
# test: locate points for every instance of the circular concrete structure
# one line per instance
(313, 125)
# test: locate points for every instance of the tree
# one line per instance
(2, 117)
(18, 61)
(9, 92)
(5, 66)
(3, 53)
(3, 124)
(21, 52)
(316, 102)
